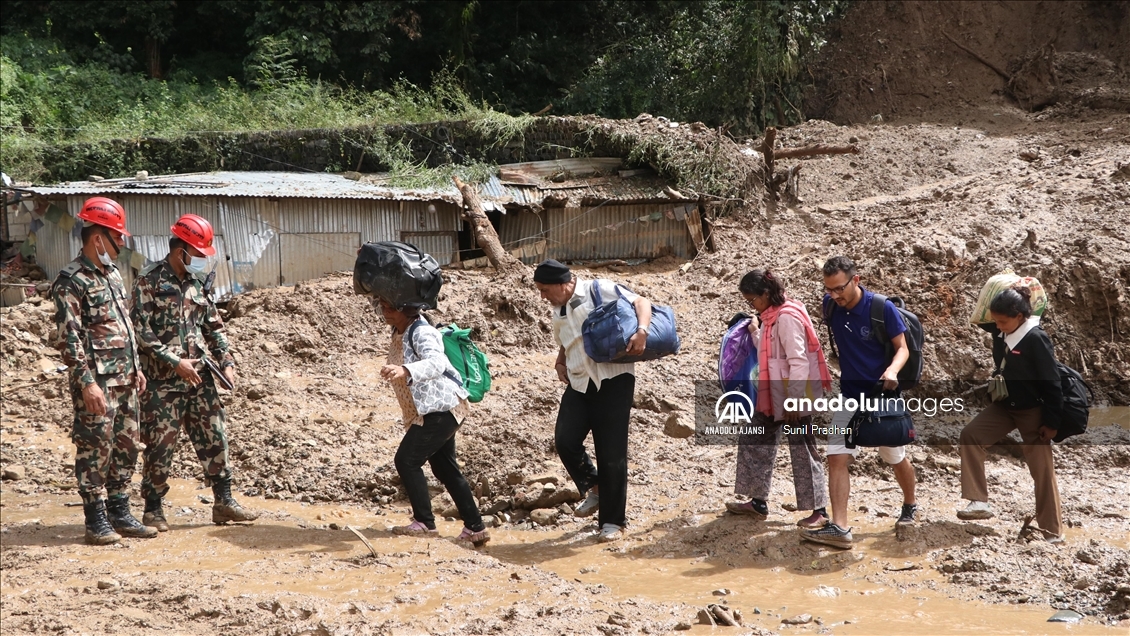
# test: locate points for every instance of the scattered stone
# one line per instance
(515, 478)
(543, 479)
(204, 500)
(271, 348)
(682, 626)
(1030, 154)
(756, 610)
(619, 620)
(535, 498)
(1066, 616)
(674, 428)
(497, 506)
(825, 591)
(14, 473)
(1087, 556)
(1082, 584)
(565, 509)
(789, 506)
(800, 619)
(1123, 589)
(706, 617)
(108, 584)
(721, 592)
(544, 517)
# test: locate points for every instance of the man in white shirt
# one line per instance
(598, 396)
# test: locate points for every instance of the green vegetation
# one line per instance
(44, 104)
(89, 72)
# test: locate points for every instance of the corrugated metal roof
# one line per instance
(321, 185)
(575, 192)
(303, 185)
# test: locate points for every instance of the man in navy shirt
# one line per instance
(863, 365)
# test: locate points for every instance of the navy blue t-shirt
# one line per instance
(863, 359)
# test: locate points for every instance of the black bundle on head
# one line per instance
(760, 281)
(1014, 301)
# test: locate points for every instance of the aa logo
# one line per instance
(733, 408)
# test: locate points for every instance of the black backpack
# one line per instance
(398, 272)
(1077, 398)
(911, 372)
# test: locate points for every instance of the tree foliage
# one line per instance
(732, 63)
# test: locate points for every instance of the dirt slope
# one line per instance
(928, 211)
(892, 59)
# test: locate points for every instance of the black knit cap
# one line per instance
(551, 272)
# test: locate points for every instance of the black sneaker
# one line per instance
(907, 516)
(830, 534)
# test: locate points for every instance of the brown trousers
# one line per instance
(989, 427)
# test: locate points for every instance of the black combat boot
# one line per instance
(154, 516)
(98, 530)
(117, 507)
(224, 508)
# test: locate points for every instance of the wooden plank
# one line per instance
(576, 166)
(694, 226)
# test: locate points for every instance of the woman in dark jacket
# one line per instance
(1026, 361)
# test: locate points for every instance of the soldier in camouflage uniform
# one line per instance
(98, 344)
(177, 327)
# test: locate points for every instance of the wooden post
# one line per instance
(485, 236)
(767, 151)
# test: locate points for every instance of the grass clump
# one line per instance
(48, 100)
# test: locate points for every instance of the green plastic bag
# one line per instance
(468, 360)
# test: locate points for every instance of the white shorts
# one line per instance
(890, 454)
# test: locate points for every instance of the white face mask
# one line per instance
(104, 256)
(195, 264)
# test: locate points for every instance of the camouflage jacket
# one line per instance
(95, 335)
(175, 319)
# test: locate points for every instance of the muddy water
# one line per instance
(843, 600)
(1110, 416)
(290, 550)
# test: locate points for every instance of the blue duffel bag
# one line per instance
(608, 328)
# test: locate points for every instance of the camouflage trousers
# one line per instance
(201, 414)
(106, 446)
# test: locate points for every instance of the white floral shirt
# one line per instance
(427, 389)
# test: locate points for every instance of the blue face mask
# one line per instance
(195, 264)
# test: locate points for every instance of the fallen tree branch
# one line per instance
(978, 57)
(817, 149)
(485, 235)
(360, 536)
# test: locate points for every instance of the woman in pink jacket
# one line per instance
(791, 365)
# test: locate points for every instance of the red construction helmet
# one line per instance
(196, 231)
(105, 212)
